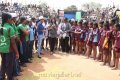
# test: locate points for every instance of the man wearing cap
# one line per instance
(22, 33)
(27, 40)
(40, 31)
(16, 61)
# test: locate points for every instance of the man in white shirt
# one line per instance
(63, 30)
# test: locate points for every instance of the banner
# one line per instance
(78, 16)
(118, 14)
(61, 13)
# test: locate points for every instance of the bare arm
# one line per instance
(18, 40)
(25, 32)
(77, 32)
(12, 40)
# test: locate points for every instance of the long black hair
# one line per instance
(106, 24)
(53, 22)
(117, 25)
(95, 24)
(5, 17)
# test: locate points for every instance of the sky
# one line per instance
(61, 4)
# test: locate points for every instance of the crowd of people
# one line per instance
(28, 9)
(18, 35)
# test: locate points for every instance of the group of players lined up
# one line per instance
(16, 44)
(86, 37)
(17, 37)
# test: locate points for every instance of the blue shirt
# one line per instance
(95, 33)
(31, 34)
(95, 38)
(40, 28)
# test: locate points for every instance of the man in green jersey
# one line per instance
(17, 68)
(27, 42)
(22, 33)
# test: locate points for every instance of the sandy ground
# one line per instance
(61, 66)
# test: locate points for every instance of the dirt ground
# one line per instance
(61, 66)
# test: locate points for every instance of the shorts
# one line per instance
(89, 43)
(81, 40)
(95, 44)
(117, 50)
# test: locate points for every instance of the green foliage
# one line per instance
(71, 8)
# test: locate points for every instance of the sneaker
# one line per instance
(24, 65)
(41, 53)
(28, 61)
(18, 74)
(47, 49)
(21, 70)
(2, 78)
(51, 53)
(39, 57)
(15, 78)
(43, 48)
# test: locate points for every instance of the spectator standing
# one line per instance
(52, 37)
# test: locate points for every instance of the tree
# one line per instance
(44, 9)
(71, 8)
(91, 6)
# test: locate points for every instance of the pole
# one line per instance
(5, 1)
(25, 2)
(11, 2)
